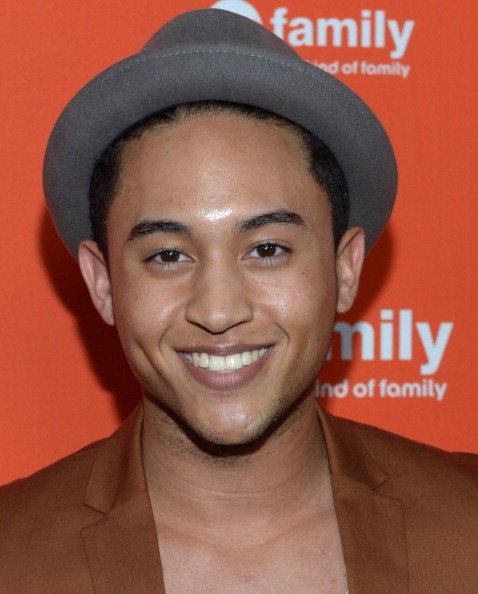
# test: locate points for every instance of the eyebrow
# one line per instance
(281, 217)
(149, 227)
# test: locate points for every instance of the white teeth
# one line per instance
(246, 358)
(229, 363)
(233, 362)
(217, 363)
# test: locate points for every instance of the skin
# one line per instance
(245, 490)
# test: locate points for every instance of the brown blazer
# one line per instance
(407, 513)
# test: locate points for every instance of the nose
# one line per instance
(219, 300)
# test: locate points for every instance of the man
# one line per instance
(220, 195)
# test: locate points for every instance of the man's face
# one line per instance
(221, 255)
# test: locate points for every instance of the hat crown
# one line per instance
(206, 55)
(214, 26)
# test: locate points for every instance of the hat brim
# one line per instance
(155, 80)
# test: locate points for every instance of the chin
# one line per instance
(238, 432)
(230, 437)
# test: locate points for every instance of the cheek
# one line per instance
(143, 310)
(303, 298)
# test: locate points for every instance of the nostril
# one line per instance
(218, 310)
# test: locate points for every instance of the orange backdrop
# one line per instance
(409, 364)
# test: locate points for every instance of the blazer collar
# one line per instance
(122, 547)
(371, 523)
(118, 473)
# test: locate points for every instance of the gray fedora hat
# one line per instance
(213, 54)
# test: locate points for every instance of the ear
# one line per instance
(348, 266)
(96, 276)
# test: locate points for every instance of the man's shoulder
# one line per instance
(60, 484)
(405, 459)
(44, 516)
(41, 517)
(76, 462)
(68, 477)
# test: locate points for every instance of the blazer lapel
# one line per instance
(122, 547)
(371, 523)
(122, 550)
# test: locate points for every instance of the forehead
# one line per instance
(227, 132)
(219, 161)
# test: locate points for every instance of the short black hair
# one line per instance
(322, 163)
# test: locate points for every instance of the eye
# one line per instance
(268, 251)
(167, 258)
(170, 256)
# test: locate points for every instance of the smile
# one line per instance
(229, 363)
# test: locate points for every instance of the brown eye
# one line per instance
(269, 253)
(169, 256)
(266, 250)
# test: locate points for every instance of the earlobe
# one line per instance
(96, 276)
(349, 261)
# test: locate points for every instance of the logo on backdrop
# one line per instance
(239, 7)
(374, 29)
(395, 337)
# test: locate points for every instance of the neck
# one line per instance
(270, 486)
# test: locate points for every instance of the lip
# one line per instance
(226, 380)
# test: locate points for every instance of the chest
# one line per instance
(308, 558)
